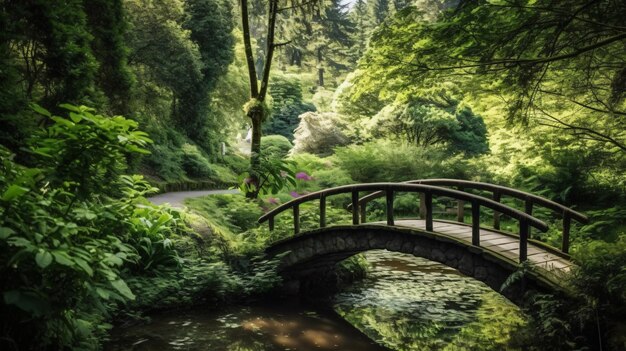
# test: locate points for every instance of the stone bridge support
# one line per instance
(312, 257)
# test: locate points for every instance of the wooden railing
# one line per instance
(526, 221)
(530, 200)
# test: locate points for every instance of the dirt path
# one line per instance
(177, 198)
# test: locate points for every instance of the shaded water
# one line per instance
(405, 303)
(410, 303)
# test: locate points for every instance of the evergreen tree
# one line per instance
(359, 15)
(332, 38)
(107, 25)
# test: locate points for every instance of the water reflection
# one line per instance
(409, 303)
(405, 303)
(286, 325)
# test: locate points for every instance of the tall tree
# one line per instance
(210, 25)
(107, 25)
(256, 109)
(362, 28)
(332, 29)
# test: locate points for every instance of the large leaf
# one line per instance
(26, 301)
(6, 232)
(63, 258)
(43, 258)
(40, 110)
(123, 289)
(13, 191)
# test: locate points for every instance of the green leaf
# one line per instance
(63, 121)
(105, 294)
(123, 289)
(84, 265)
(14, 191)
(6, 232)
(40, 110)
(43, 258)
(19, 242)
(28, 302)
(63, 258)
(113, 260)
(76, 117)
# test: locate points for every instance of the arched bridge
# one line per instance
(483, 251)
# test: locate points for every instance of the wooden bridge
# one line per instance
(484, 252)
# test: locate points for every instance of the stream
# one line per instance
(405, 303)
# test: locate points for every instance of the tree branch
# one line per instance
(254, 85)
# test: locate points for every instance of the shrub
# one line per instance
(382, 161)
(275, 146)
(64, 236)
(287, 105)
(195, 163)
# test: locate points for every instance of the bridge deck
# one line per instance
(499, 243)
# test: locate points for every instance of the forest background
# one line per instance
(527, 94)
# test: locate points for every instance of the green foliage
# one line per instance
(386, 161)
(593, 314)
(66, 235)
(276, 146)
(286, 92)
(234, 212)
(194, 163)
(273, 175)
(86, 151)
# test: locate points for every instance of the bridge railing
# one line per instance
(525, 220)
(530, 201)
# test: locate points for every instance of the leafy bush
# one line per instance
(195, 163)
(593, 314)
(235, 211)
(64, 239)
(382, 161)
(275, 146)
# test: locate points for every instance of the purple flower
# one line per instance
(303, 176)
(294, 194)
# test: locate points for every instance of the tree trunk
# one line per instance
(320, 69)
(256, 115)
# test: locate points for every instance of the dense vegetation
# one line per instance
(527, 94)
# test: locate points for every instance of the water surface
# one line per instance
(405, 303)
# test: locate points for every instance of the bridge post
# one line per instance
(271, 223)
(475, 223)
(389, 195)
(296, 219)
(523, 240)
(322, 210)
(496, 215)
(567, 221)
(460, 208)
(422, 206)
(428, 199)
(355, 207)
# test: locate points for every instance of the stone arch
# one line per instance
(318, 251)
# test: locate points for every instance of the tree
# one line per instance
(331, 38)
(107, 25)
(555, 64)
(287, 105)
(256, 108)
